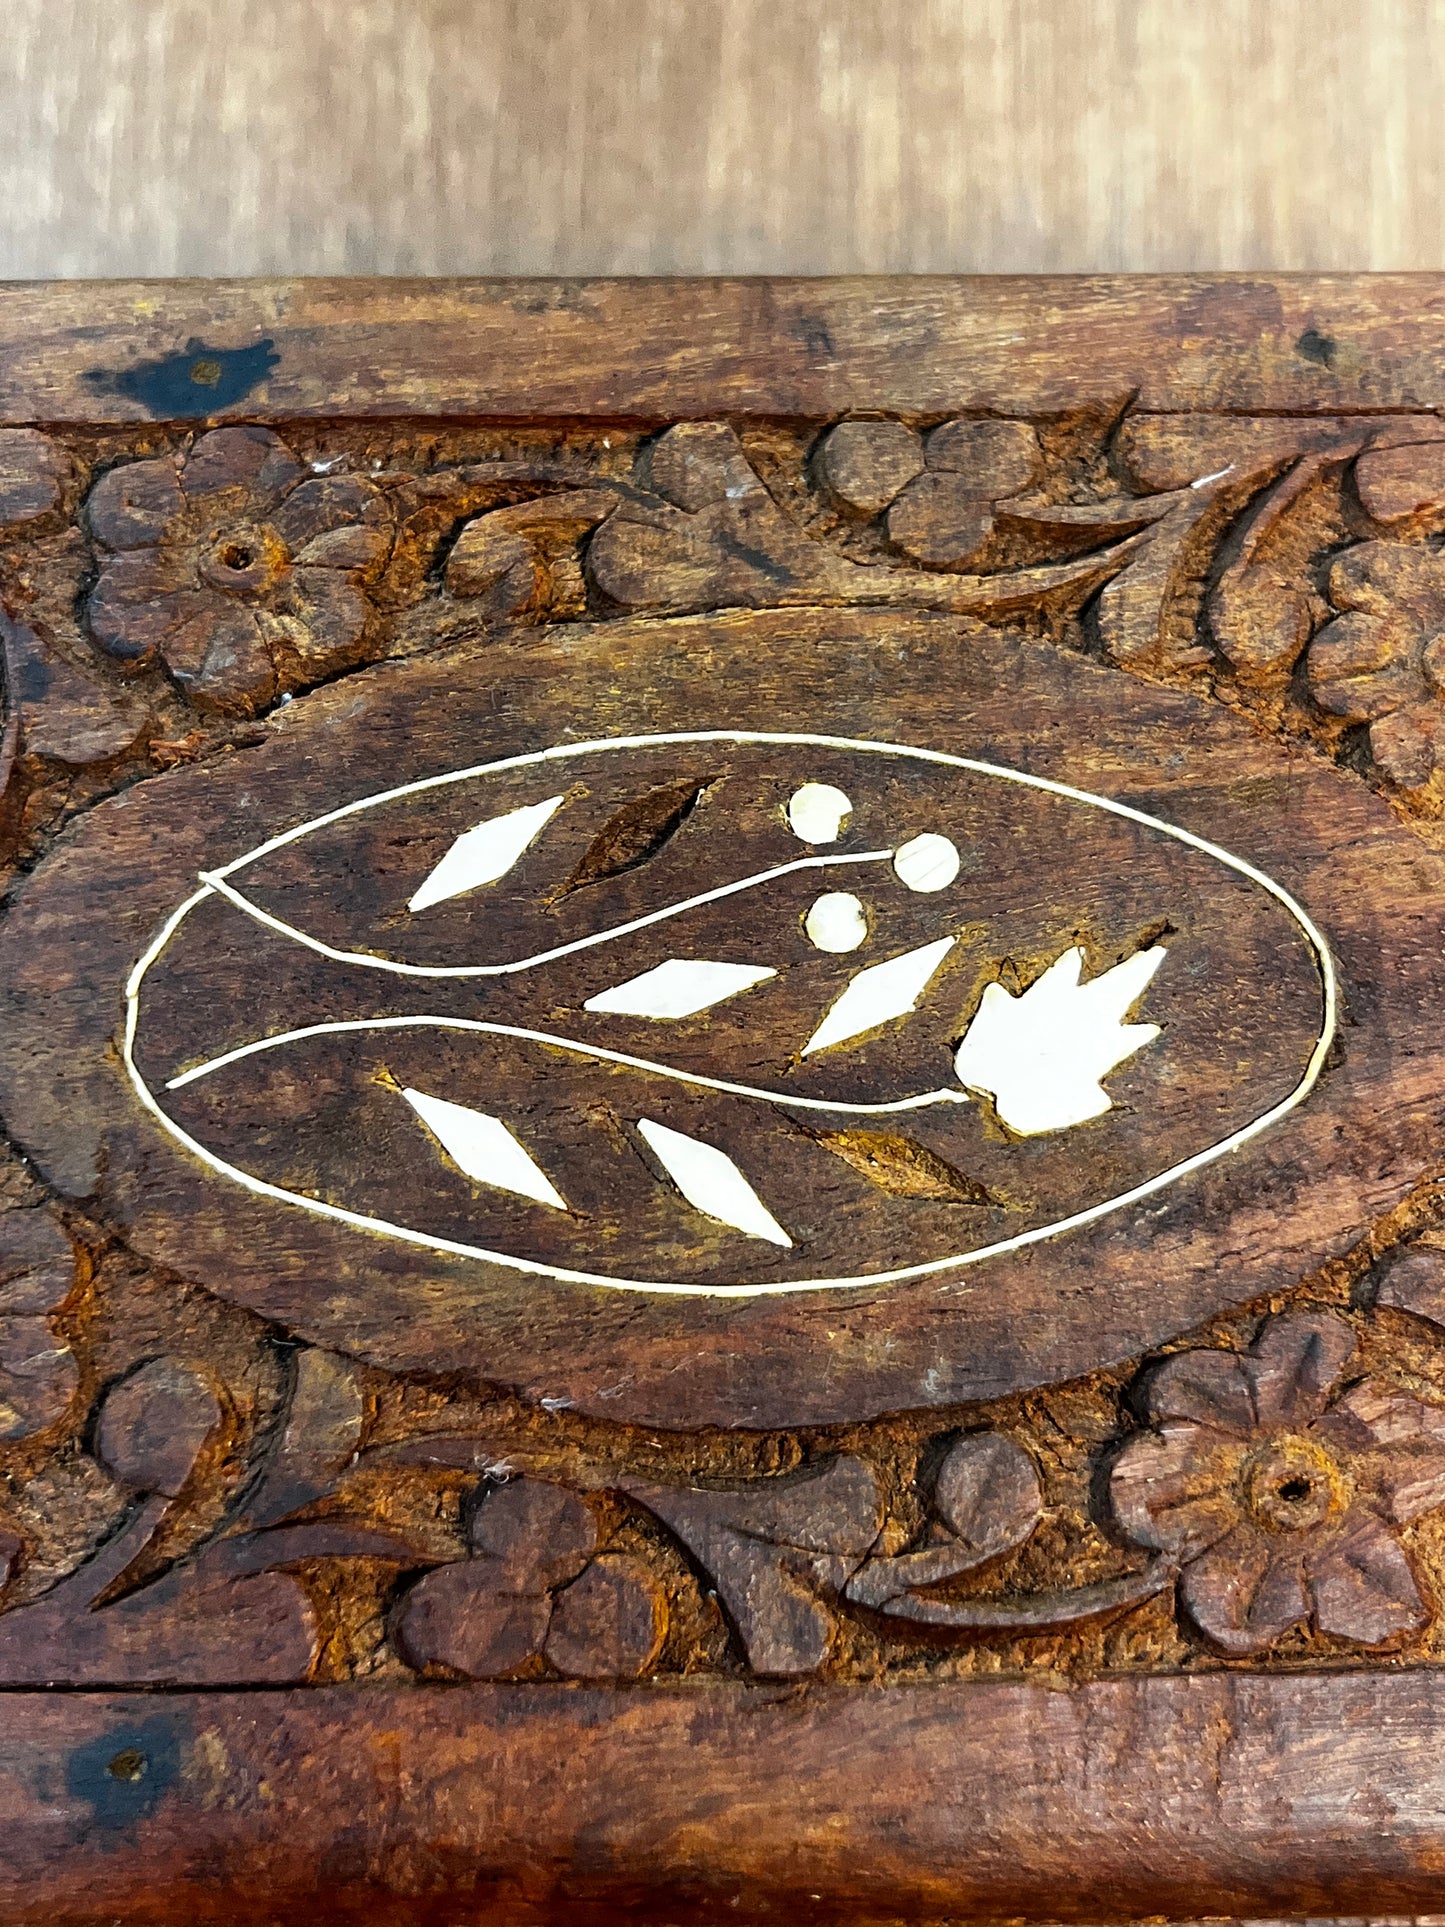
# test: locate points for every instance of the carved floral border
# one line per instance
(192, 1499)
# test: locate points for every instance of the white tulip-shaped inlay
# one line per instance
(1040, 1055)
(817, 812)
(484, 854)
(836, 922)
(928, 862)
(485, 1149)
(878, 994)
(711, 1182)
(679, 988)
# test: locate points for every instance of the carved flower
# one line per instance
(533, 1590)
(941, 490)
(1382, 660)
(1280, 1493)
(241, 569)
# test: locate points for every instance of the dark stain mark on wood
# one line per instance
(200, 382)
(1317, 347)
(122, 1775)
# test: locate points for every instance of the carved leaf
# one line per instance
(32, 472)
(635, 834)
(986, 1497)
(902, 1167)
(777, 1552)
(198, 1626)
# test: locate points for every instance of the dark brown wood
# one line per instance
(1227, 1796)
(709, 984)
(1047, 1311)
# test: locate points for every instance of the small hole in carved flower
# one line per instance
(248, 560)
(1294, 1484)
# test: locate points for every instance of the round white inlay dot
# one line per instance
(816, 812)
(928, 862)
(836, 922)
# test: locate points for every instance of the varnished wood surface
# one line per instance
(665, 349)
(646, 136)
(1224, 1795)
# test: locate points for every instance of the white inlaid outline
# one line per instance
(214, 883)
(217, 882)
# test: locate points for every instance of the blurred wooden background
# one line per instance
(704, 136)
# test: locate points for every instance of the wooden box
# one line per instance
(722, 1055)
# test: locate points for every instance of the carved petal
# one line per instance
(1246, 1590)
(1401, 1445)
(1385, 576)
(1294, 1364)
(865, 464)
(1174, 1489)
(142, 598)
(997, 457)
(941, 520)
(351, 549)
(457, 1616)
(1359, 666)
(1407, 744)
(219, 659)
(1363, 1587)
(1206, 1386)
(1397, 485)
(333, 617)
(535, 1534)
(327, 504)
(132, 505)
(247, 458)
(609, 1623)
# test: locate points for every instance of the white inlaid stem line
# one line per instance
(958, 1261)
(711, 1182)
(216, 880)
(478, 1026)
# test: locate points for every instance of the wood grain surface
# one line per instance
(655, 136)
(1171, 1798)
(622, 350)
